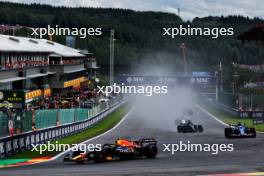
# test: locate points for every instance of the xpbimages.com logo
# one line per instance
(124, 89)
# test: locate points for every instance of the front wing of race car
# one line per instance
(75, 158)
(80, 157)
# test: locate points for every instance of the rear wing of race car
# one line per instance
(147, 140)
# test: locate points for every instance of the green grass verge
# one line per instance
(11, 161)
(107, 123)
(230, 119)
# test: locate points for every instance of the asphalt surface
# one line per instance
(246, 157)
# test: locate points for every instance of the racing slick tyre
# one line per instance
(151, 151)
(253, 131)
(200, 128)
(100, 157)
(196, 128)
(76, 153)
(66, 157)
(228, 133)
(179, 129)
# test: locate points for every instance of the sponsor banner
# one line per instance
(257, 116)
(201, 74)
(148, 80)
(209, 80)
(74, 82)
(47, 92)
(12, 96)
(29, 96)
(167, 80)
(18, 98)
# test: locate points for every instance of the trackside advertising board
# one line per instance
(167, 80)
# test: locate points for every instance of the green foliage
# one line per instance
(139, 36)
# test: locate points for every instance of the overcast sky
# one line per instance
(189, 8)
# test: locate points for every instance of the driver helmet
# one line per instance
(117, 141)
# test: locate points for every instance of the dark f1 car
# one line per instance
(122, 149)
(239, 130)
(186, 126)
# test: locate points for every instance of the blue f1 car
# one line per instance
(239, 131)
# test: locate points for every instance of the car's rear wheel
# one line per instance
(151, 151)
(200, 128)
(227, 133)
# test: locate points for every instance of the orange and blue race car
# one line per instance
(122, 149)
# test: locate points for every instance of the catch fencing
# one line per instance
(23, 141)
(49, 118)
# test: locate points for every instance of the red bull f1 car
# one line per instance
(122, 149)
(239, 131)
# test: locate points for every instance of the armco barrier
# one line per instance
(11, 145)
(256, 116)
(213, 103)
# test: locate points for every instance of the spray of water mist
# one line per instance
(160, 111)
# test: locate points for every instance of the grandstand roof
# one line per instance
(23, 44)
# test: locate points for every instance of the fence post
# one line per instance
(57, 119)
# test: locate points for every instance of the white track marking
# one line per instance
(110, 130)
(64, 152)
(211, 115)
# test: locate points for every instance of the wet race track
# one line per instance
(246, 157)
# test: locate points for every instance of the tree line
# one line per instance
(139, 38)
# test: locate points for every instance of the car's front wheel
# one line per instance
(99, 157)
(253, 131)
(179, 129)
(75, 154)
